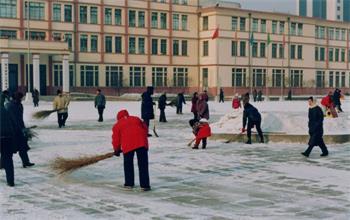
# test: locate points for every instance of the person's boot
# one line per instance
(29, 164)
(204, 145)
(324, 154)
(305, 154)
(11, 184)
(249, 141)
(195, 146)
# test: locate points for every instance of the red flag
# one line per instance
(216, 34)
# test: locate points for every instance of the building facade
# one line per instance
(122, 46)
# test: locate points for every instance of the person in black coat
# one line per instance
(35, 96)
(100, 104)
(7, 146)
(180, 101)
(252, 115)
(336, 99)
(161, 105)
(255, 95)
(221, 96)
(315, 129)
(15, 109)
(4, 98)
(147, 112)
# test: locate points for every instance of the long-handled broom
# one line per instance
(44, 114)
(63, 165)
(154, 123)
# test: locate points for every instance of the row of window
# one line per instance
(334, 54)
(333, 33)
(89, 76)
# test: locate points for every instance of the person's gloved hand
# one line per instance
(243, 130)
(117, 153)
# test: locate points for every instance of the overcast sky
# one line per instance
(269, 5)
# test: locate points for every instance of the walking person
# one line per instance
(147, 112)
(61, 103)
(15, 108)
(100, 104)
(255, 95)
(315, 125)
(260, 96)
(194, 101)
(130, 137)
(35, 96)
(252, 115)
(221, 96)
(180, 101)
(202, 107)
(161, 105)
(7, 146)
(336, 99)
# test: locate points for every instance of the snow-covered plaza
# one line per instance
(224, 181)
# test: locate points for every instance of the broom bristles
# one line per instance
(43, 114)
(63, 165)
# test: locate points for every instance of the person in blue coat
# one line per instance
(253, 117)
(147, 112)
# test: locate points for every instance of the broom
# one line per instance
(190, 143)
(44, 114)
(63, 165)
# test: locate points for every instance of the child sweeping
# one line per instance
(201, 130)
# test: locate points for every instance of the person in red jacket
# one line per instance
(130, 136)
(236, 103)
(201, 130)
(327, 101)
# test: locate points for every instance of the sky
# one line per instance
(287, 6)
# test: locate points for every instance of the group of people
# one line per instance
(331, 103)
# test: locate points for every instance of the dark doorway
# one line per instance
(42, 75)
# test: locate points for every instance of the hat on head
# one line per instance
(123, 113)
(203, 120)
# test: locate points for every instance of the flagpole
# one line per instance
(235, 59)
(249, 58)
(217, 67)
(267, 72)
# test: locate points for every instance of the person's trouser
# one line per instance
(204, 142)
(221, 99)
(195, 116)
(142, 161)
(6, 160)
(146, 121)
(61, 118)
(23, 154)
(319, 143)
(179, 109)
(100, 112)
(339, 108)
(162, 117)
(258, 129)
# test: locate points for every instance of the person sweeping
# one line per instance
(202, 131)
(60, 104)
(130, 137)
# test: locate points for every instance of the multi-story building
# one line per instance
(336, 10)
(122, 46)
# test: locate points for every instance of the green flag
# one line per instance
(251, 40)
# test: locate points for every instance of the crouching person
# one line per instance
(130, 137)
(201, 130)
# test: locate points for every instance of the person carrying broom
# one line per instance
(60, 103)
(130, 137)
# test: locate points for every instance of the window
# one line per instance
(342, 84)
(320, 79)
(159, 76)
(56, 36)
(296, 78)
(114, 76)
(234, 23)
(331, 79)
(141, 19)
(331, 54)
(68, 39)
(255, 49)
(343, 34)
(262, 49)
(274, 27)
(322, 32)
(184, 48)
(277, 78)
(132, 45)
(300, 52)
(242, 24)
(292, 51)
(331, 33)
(336, 55)
(154, 46)
(263, 25)
(342, 55)
(132, 18)
(337, 34)
(180, 77)
(36, 10)
(205, 48)
(137, 76)
(184, 22)
(67, 13)
(83, 42)
(281, 51)
(56, 9)
(316, 54)
(205, 23)
(242, 49)
(274, 51)
(175, 21)
(259, 77)
(281, 27)
(108, 16)
(255, 25)
(163, 46)
(83, 14)
(234, 48)
(293, 28)
(8, 9)
(108, 44)
(94, 43)
(175, 47)
(8, 34)
(154, 22)
(205, 77)
(239, 77)
(93, 15)
(322, 54)
(88, 75)
(163, 20)
(36, 35)
(57, 75)
(141, 42)
(118, 16)
(118, 44)
(337, 79)
(300, 29)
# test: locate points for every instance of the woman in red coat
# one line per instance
(202, 131)
(130, 136)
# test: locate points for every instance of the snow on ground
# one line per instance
(225, 181)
